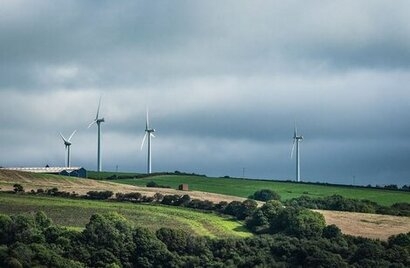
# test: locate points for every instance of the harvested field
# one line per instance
(32, 181)
(367, 225)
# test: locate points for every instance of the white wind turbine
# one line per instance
(296, 140)
(148, 133)
(98, 121)
(67, 143)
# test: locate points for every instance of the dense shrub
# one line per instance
(265, 195)
(241, 210)
(260, 220)
(299, 222)
(132, 197)
(154, 184)
(201, 204)
(340, 203)
(18, 188)
(99, 195)
(109, 240)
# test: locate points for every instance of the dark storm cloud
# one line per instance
(224, 82)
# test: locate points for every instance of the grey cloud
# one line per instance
(224, 83)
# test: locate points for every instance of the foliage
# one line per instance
(154, 184)
(265, 195)
(109, 240)
(241, 210)
(18, 188)
(286, 189)
(259, 222)
(340, 203)
(152, 216)
(99, 195)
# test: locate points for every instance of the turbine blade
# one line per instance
(143, 140)
(72, 134)
(94, 121)
(293, 149)
(147, 121)
(61, 135)
(98, 109)
(152, 135)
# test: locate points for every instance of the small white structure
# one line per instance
(66, 171)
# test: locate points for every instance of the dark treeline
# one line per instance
(109, 240)
(340, 203)
(334, 202)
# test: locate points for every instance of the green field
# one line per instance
(77, 212)
(287, 190)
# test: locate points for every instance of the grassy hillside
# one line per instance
(77, 212)
(287, 190)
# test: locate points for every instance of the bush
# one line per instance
(18, 188)
(154, 184)
(99, 195)
(241, 210)
(259, 221)
(265, 195)
(299, 222)
(171, 200)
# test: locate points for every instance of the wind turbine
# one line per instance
(296, 140)
(67, 143)
(148, 133)
(98, 121)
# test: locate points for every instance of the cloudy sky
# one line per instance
(224, 82)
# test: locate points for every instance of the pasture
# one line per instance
(77, 212)
(287, 190)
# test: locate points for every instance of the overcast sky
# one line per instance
(224, 82)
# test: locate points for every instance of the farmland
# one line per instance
(154, 216)
(245, 187)
(77, 212)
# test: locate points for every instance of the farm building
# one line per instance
(65, 171)
(183, 187)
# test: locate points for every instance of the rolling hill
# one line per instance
(368, 225)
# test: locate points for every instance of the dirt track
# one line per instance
(358, 224)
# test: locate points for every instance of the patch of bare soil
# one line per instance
(367, 225)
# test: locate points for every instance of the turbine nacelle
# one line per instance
(98, 121)
(148, 132)
(67, 144)
(296, 140)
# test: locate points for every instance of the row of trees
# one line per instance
(109, 240)
(340, 203)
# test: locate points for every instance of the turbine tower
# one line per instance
(148, 133)
(296, 140)
(98, 121)
(67, 143)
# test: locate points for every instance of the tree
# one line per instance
(6, 233)
(259, 221)
(18, 188)
(299, 222)
(241, 210)
(331, 231)
(42, 221)
(110, 232)
(149, 250)
(99, 195)
(265, 195)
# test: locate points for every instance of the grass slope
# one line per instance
(77, 212)
(287, 190)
